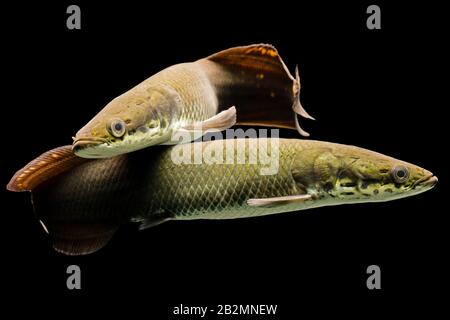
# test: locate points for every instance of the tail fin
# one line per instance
(255, 79)
(80, 238)
(70, 237)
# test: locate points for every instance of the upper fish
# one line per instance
(246, 85)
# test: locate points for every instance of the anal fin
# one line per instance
(80, 238)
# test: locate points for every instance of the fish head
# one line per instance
(367, 176)
(348, 174)
(128, 123)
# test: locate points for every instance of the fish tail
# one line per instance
(256, 80)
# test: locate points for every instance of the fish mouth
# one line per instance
(429, 181)
(83, 143)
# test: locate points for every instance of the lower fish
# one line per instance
(82, 202)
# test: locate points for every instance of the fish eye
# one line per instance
(117, 128)
(400, 174)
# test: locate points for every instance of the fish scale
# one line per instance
(198, 98)
(148, 184)
(219, 191)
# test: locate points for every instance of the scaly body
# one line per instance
(158, 184)
(247, 85)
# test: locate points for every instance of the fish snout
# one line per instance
(428, 181)
(83, 143)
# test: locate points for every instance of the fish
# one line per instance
(246, 85)
(82, 202)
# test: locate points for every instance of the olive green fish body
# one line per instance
(148, 184)
(220, 191)
(82, 202)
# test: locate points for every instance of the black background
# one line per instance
(378, 89)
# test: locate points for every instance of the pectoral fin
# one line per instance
(193, 131)
(43, 168)
(278, 201)
(221, 121)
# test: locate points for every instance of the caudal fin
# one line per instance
(255, 79)
(80, 239)
(69, 234)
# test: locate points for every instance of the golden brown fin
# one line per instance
(255, 79)
(80, 238)
(44, 167)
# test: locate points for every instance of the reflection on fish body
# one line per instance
(82, 202)
(254, 79)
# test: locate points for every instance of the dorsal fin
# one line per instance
(255, 79)
(263, 57)
(44, 167)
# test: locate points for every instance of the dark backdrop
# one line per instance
(378, 89)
